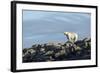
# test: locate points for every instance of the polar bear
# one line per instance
(71, 36)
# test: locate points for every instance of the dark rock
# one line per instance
(79, 50)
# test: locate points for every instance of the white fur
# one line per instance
(71, 36)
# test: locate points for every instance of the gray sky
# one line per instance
(46, 26)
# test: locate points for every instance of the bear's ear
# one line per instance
(65, 33)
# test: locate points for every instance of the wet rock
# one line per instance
(78, 50)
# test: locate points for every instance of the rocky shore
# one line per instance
(80, 50)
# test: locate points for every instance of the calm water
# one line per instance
(43, 26)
